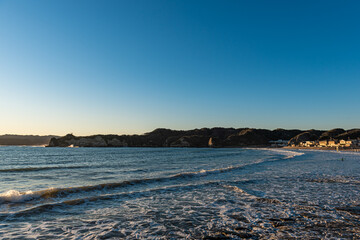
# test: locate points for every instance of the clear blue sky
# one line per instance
(90, 67)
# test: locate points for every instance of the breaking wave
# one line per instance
(121, 196)
(179, 194)
(16, 196)
(205, 172)
(287, 153)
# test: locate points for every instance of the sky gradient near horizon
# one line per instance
(123, 67)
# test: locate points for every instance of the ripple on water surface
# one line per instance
(180, 193)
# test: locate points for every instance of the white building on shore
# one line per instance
(354, 143)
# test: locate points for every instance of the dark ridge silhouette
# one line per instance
(24, 140)
(331, 134)
(204, 137)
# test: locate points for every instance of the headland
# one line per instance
(218, 138)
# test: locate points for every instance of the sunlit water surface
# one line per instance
(178, 193)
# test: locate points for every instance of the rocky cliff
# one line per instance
(204, 137)
(220, 137)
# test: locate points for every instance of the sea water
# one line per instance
(178, 193)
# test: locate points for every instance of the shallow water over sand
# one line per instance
(172, 193)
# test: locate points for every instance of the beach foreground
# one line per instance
(171, 193)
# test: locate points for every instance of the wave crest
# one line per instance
(16, 196)
(287, 153)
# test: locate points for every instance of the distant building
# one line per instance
(310, 144)
(333, 143)
(279, 143)
(349, 143)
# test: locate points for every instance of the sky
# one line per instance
(128, 67)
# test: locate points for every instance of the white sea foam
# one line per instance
(16, 196)
(205, 194)
(286, 153)
(205, 172)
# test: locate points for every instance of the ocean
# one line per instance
(178, 193)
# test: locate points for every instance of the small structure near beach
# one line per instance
(333, 143)
(279, 143)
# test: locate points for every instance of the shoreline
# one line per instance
(333, 149)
